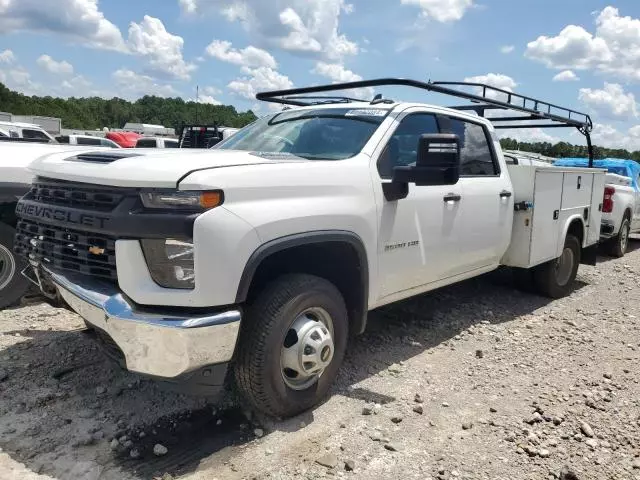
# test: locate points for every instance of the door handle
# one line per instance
(451, 198)
(505, 194)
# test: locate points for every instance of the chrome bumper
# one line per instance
(165, 346)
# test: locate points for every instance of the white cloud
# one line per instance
(77, 84)
(161, 49)
(442, 10)
(249, 57)
(134, 85)
(259, 79)
(79, 20)
(612, 101)
(208, 100)
(7, 56)
(308, 27)
(52, 66)
(528, 135)
(337, 73)
(614, 48)
(566, 76)
(507, 49)
(609, 137)
(19, 79)
(497, 80)
(211, 91)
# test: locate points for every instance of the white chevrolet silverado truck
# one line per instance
(256, 260)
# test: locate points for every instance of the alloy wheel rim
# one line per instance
(307, 349)
(7, 267)
(624, 237)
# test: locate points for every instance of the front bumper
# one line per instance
(166, 346)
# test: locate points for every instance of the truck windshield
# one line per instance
(317, 134)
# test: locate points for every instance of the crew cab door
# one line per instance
(417, 235)
(486, 206)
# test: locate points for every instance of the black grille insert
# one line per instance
(66, 249)
(77, 195)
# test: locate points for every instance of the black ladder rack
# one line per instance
(539, 114)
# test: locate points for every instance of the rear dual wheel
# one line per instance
(292, 344)
(555, 278)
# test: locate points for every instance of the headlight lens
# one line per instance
(170, 262)
(176, 200)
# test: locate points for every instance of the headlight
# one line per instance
(175, 200)
(170, 262)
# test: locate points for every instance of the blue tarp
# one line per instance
(619, 166)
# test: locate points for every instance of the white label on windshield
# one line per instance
(366, 112)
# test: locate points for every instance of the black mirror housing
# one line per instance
(438, 162)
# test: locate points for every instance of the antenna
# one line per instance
(197, 100)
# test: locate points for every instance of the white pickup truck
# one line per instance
(260, 257)
(15, 181)
(621, 204)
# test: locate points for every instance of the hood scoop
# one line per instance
(102, 157)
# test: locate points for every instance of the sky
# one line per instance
(582, 54)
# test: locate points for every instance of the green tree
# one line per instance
(96, 113)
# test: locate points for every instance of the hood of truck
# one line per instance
(146, 168)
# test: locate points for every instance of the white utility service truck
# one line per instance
(259, 257)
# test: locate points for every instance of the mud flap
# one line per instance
(589, 255)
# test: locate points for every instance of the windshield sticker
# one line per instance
(366, 112)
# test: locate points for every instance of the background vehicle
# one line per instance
(204, 136)
(124, 139)
(15, 181)
(517, 157)
(265, 253)
(157, 142)
(621, 205)
(87, 140)
(29, 131)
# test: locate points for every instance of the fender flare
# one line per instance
(310, 238)
(565, 230)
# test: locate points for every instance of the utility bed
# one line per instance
(546, 199)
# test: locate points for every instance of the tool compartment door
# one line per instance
(576, 190)
(546, 213)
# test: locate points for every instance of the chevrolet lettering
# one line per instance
(28, 209)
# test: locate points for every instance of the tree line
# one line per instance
(95, 112)
(564, 149)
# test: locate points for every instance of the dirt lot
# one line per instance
(475, 381)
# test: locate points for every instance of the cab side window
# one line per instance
(476, 157)
(402, 148)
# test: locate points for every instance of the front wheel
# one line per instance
(555, 278)
(13, 285)
(292, 343)
(619, 244)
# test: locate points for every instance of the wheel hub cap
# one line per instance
(308, 349)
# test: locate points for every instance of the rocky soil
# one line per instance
(475, 381)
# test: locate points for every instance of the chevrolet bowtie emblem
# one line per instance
(96, 250)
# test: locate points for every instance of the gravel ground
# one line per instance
(475, 381)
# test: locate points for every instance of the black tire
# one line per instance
(548, 281)
(13, 285)
(258, 371)
(619, 244)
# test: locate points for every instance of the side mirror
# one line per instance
(437, 163)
